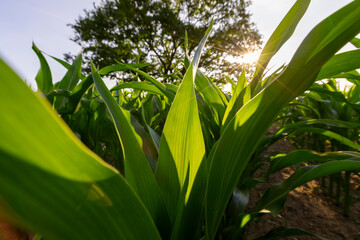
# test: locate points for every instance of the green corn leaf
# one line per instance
(120, 67)
(232, 83)
(66, 65)
(67, 191)
(281, 34)
(241, 84)
(350, 75)
(317, 93)
(189, 220)
(73, 97)
(328, 122)
(78, 93)
(156, 83)
(244, 131)
(304, 156)
(306, 107)
(186, 59)
(298, 127)
(315, 96)
(330, 134)
(69, 81)
(337, 96)
(274, 197)
(171, 87)
(209, 123)
(241, 95)
(62, 62)
(137, 169)
(324, 37)
(222, 95)
(239, 201)
(58, 92)
(353, 95)
(155, 137)
(356, 42)
(340, 63)
(148, 145)
(72, 76)
(207, 89)
(181, 153)
(265, 81)
(144, 86)
(43, 78)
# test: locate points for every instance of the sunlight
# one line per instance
(248, 58)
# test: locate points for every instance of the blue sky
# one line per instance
(44, 22)
(41, 21)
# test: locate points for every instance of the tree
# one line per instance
(153, 31)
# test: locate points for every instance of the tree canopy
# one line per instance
(153, 31)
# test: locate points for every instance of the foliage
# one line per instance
(153, 31)
(327, 119)
(194, 182)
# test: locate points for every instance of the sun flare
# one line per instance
(249, 57)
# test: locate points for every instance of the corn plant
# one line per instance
(55, 186)
(326, 119)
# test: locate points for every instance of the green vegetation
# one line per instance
(182, 157)
(326, 119)
(153, 31)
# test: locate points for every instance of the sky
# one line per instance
(267, 14)
(45, 23)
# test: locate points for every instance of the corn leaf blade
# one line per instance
(304, 156)
(252, 120)
(162, 88)
(211, 96)
(275, 195)
(181, 152)
(241, 96)
(68, 194)
(137, 168)
(340, 63)
(281, 34)
(143, 86)
(329, 134)
(119, 67)
(356, 42)
(69, 81)
(43, 78)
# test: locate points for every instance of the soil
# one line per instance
(307, 207)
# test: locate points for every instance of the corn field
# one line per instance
(148, 160)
